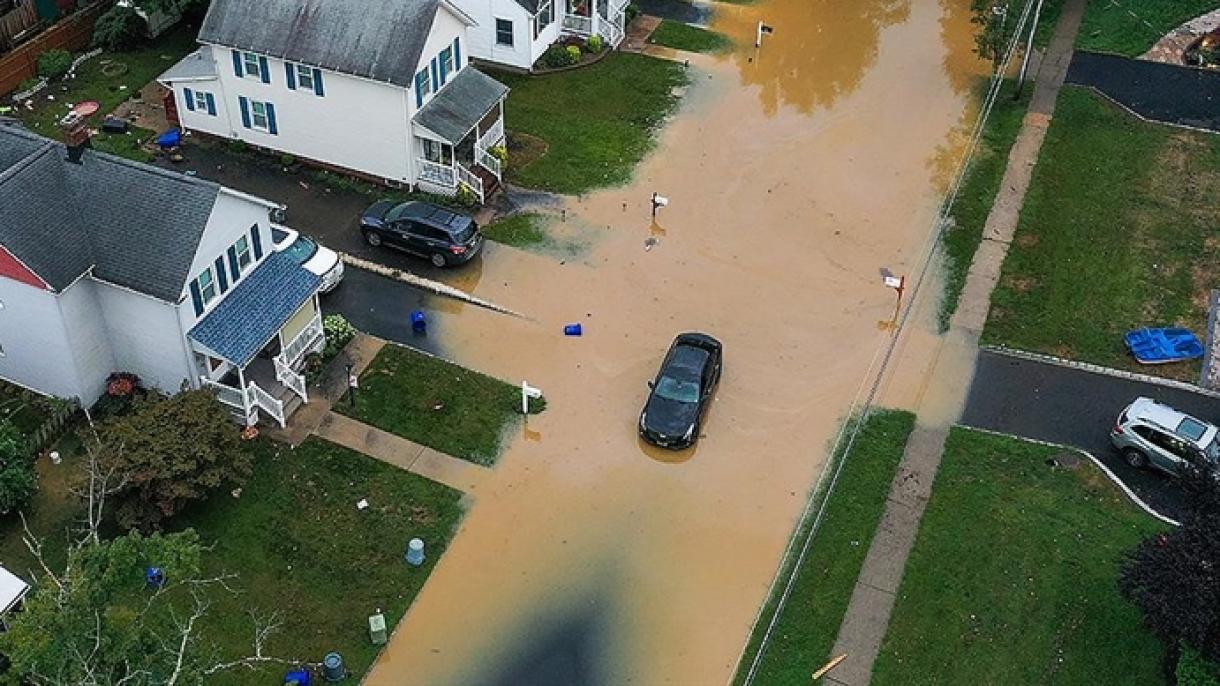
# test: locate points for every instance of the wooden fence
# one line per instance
(16, 22)
(55, 426)
(71, 33)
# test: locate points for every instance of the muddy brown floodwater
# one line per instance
(794, 174)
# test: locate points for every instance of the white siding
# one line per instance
(233, 216)
(36, 349)
(445, 27)
(482, 38)
(146, 338)
(88, 338)
(199, 119)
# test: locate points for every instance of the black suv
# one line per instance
(443, 236)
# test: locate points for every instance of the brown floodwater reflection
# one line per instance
(793, 174)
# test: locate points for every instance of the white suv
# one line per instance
(1149, 433)
(315, 258)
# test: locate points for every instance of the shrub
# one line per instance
(466, 197)
(595, 44)
(122, 391)
(53, 64)
(1194, 669)
(238, 146)
(17, 479)
(573, 54)
(500, 152)
(338, 333)
(632, 11)
(119, 28)
(561, 56)
(288, 160)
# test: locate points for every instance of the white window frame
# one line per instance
(201, 101)
(245, 257)
(255, 105)
(512, 31)
(425, 86)
(446, 55)
(251, 65)
(548, 8)
(305, 76)
(203, 290)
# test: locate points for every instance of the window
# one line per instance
(423, 84)
(504, 32)
(251, 65)
(436, 151)
(258, 115)
(242, 247)
(2, 353)
(544, 18)
(201, 100)
(446, 63)
(207, 286)
(305, 77)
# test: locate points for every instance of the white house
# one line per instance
(109, 265)
(515, 33)
(381, 88)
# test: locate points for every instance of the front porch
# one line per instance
(454, 135)
(250, 349)
(605, 18)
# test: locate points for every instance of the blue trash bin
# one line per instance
(332, 667)
(419, 323)
(297, 677)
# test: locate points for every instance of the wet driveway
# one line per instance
(794, 173)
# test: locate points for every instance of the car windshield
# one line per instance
(677, 391)
(1191, 428)
(465, 234)
(302, 249)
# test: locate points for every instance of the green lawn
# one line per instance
(680, 36)
(1013, 577)
(51, 513)
(1131, 27)
(438, 404)
(143, 65)
(595, 123)
(301, 548)
(806, 631)
(525, 230)
(973, 204)
(1117, 232)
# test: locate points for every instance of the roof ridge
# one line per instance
(25, 162)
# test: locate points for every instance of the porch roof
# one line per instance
(255, 309)
(197, 66)
(461, 105)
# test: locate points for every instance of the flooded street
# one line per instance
(794, 173)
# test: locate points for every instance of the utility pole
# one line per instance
(1029, 48)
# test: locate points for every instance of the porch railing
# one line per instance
(491, 137)
(435, 172)
(294, 381)
(266, 402)
(235, 399)
(611, 28)
(487, 161)
(470, 180)
(578, 24)
(304, 341)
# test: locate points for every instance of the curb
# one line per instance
(435, 287)
(1098, 369)
(1104, 469)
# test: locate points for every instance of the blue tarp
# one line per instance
(1157, 346)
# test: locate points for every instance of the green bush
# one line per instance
(1195, 670)
(466, 197)
(338, 333)
(500, 152)
(119, 28)
(595, 44)
(556, 56)
(632, 11)
(53, 64)
(17, 479)
(573, 54)
(288, 160)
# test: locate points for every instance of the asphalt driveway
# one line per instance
(1154, 90)
(1074, 407)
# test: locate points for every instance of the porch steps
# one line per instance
(491, 184)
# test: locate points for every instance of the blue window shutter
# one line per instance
(211, 104)
(237, 63)
(257, 241)
(436, 82)
(245, 110)
(196, 298)
(419, 92)
(265, 71)
(234, 268)
(457, 54)
(271, 128)
(221, 274)
(317, 83)
(290, 75)
(190, 98)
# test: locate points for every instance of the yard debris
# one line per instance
(650, 243)
(829, 666)
(362, 504)
(304, 185)
(236, 492)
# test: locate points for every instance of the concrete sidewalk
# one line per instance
(868, 613)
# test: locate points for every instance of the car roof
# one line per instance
(430, 214)
(1164, 416)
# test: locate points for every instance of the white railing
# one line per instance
(488, 161)
(468, 179)
(578, 24)
(492, 136)
(266, 402)
(235, 399)
(609, 30)
(434, 172)
(304, 341)
(294, 381)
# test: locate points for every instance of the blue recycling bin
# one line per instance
(154, 577)
(297, 677)
(419, 323)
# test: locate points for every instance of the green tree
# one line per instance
(995, 29)
(170, 452)
(17, 480)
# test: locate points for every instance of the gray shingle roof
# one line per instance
(137, 226)
(256, 308)
(196, 66)
(530, 6)
(380, 40)
(461, 104)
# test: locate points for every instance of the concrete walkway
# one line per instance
(413, 457)
(868, 613)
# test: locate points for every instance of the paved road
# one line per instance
(1160, 92)
(1077, 408)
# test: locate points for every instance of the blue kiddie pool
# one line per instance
(1159, 346)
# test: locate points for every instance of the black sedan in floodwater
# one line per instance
(682, 391)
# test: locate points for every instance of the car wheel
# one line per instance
(1135, 458)
(372, 238)
(438, 260)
